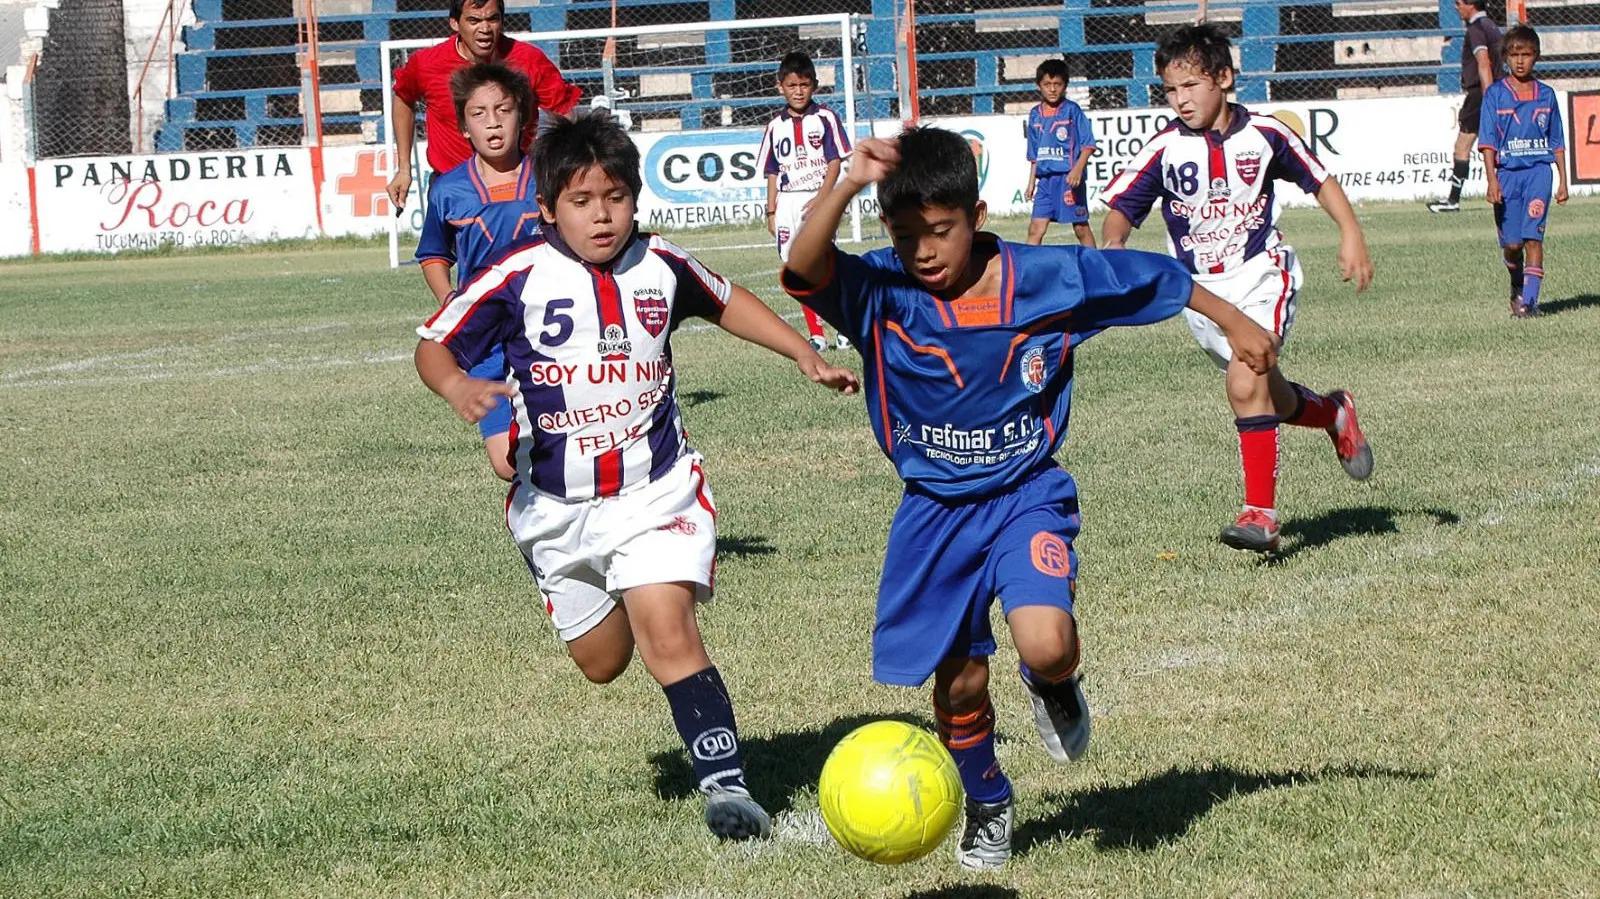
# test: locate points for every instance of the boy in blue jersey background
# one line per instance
(1519, 135)
(1060, 142)
(967, 342)
(481, 210)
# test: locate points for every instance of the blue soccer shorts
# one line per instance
(493, 368)
(947, 562)
(1524, 204)
(1057, 201)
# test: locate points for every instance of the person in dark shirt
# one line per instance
(1480, 66)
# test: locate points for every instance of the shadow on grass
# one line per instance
(1160, 809)
(691, 398)
(741, 547)
(1300, 535)
(1570, 304)
(779, 765)
(966, 891)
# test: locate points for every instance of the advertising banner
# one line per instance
(113, 203)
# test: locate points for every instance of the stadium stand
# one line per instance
(239, 84)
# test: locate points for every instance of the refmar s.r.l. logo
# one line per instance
(705, 167)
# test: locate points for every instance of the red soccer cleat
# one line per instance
(1348, 441)
(1254, 530)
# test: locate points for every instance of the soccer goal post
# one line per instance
(703, 90)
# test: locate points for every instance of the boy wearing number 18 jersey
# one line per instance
(1211, 172)
(967, 341)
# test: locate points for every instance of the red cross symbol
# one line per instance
(366, 187)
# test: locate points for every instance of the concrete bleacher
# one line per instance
(239, 82)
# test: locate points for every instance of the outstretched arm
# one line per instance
(1252, 344)
(1114, 230)
(1355, 263)
(747, 318)
(812, 251)
(472, 398)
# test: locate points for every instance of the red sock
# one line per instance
(1258, 450)
(813, 324)
(1316, 410)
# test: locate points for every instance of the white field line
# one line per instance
(167, 364)
(1562, 489)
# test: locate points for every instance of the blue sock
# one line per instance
(970, 739)
(1532, 280)
(704, 716)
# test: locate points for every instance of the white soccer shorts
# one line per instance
(786, 222)
(585, 553)
(1264, 288)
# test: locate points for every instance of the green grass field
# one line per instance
(262, 632)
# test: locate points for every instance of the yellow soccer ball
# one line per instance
(890, 792)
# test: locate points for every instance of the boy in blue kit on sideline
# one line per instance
(1060, 142)
(967, 341)
(1519, 135)
(481, 210)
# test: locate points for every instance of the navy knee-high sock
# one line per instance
(703, 714)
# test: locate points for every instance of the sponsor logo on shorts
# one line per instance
(1535, 208)
(1248, 165)
(1033, 369)
(680, 524)
(650, 305)
(1050, 555)
(715, 745)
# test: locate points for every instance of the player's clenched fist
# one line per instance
(473, 398)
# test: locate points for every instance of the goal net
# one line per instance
(695, 97)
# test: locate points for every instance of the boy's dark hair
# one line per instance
(568, 146)
(937, 168)
(1204, 46)
(457, 7)
(1056, 67)
(466, 80)
(1481, 5)
(1520, 34)
(797, 62)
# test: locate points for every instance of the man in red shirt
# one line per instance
(477, 36)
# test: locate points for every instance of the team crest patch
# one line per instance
(1542, 118)
(1050, 555)
(1535, 208)
(1061, 132)
(815, 140)
(1033, 374)
(1248, 165)
(1219, 192)
(650, 305)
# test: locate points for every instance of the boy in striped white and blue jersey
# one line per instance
(1060, 142)
(801, 150)
(610, 506)
(1212, 172)
(1520, 137)
(483, 209)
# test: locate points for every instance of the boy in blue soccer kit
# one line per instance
(1060, 142)
(1519, 135)
(967, 342)
(481, 210)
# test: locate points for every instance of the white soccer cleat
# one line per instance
(1062, 715)
(841, 342)
(818, 342)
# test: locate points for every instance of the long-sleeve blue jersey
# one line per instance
(467, 227)
(1522, 132)
(969, 396)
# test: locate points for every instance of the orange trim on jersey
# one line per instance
(883, 394)
(806, 292)
(436, 260)
(973, 312)
(1008, 283)
(500, 193)
(940, 306)
(1036, 328)
(516, 230)
(927, 350)
(475, 220)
